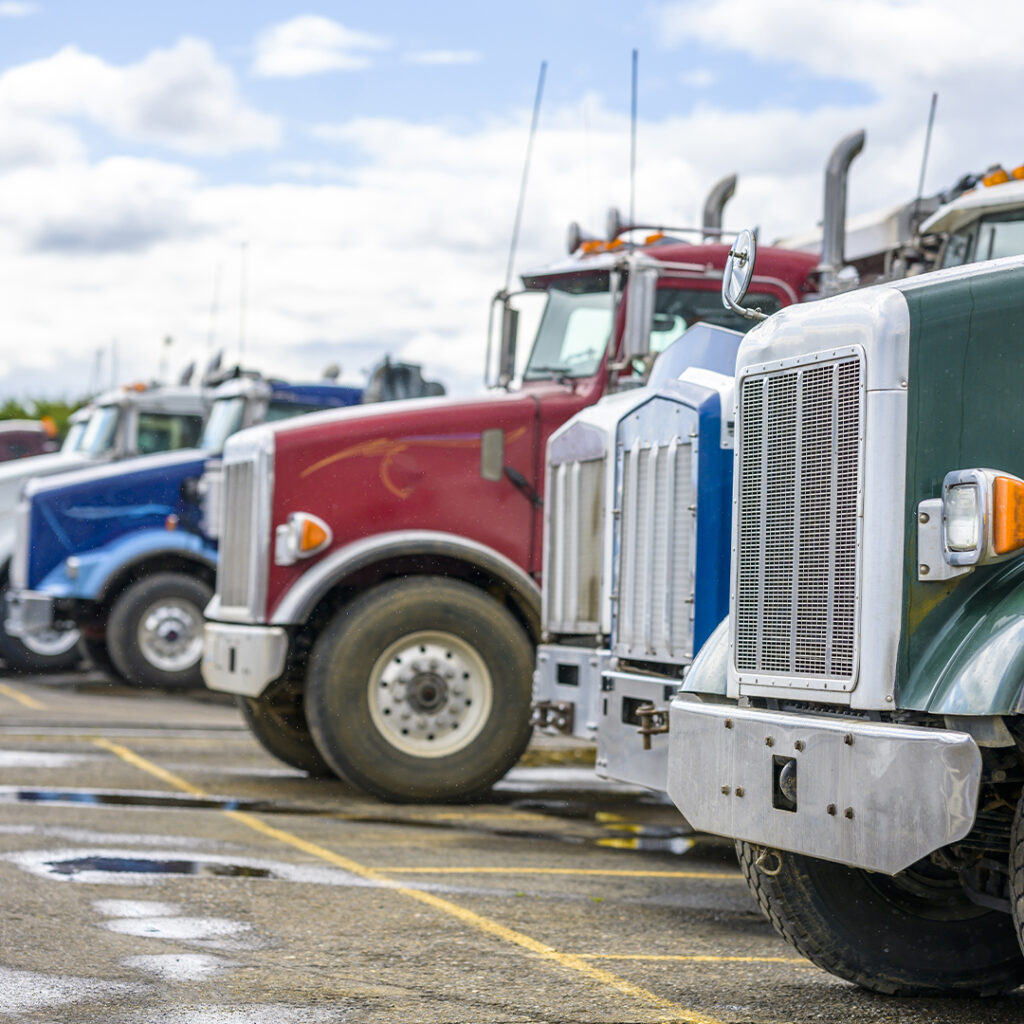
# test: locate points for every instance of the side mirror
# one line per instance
(738, 273)
(636, 336)
(507, 351)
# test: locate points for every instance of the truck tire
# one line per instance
(282, 731)
(53, 651)
(1017, 872)
(155, 631)
(915, 934)
(419, 690)
(94, 650)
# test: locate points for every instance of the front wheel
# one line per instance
(420, 690)
(281, 729)
(1017, 872)
(912, 934)
(54, 650)
(155, 631)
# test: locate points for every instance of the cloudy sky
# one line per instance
(304, 185)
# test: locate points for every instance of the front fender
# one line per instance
(973, 663)
(709, 672)
(298, 603)
(98, 568)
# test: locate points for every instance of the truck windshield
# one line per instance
(678, 309)
(573, 332)
(1001, 234)
(225, 419)
(73, 438)
(101, 430)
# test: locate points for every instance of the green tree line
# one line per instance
(58, 409)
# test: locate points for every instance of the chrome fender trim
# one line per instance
(869, 794)
(298, 603)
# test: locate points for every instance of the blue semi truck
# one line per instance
(126, 554)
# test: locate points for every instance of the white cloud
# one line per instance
(698, 78)
(311, 45)
(182, 98)
(17, 9)
(875, 41)
(444, 57)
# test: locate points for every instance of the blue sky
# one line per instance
(366, 158)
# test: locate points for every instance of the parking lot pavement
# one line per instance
(157, 866)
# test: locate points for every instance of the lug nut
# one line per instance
(848, 813)
(799, 745)
(726, 790)
(831, 809)
(769, 741)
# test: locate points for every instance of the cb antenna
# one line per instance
(632, 145)
(924, 158)
(526, 172)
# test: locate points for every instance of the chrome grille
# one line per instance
(799, 462)
(573, 568)
(654, 581)
(238, 524)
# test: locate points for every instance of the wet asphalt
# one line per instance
(158, 868)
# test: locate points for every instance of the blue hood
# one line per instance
(77, 512)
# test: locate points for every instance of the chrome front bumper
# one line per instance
(567, 689)
(868, 794)
(27, 612)
(633, 735)
(243, 659)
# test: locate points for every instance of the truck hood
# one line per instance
(14, 474)
(81, 511)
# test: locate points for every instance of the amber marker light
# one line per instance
(1017, 172)
(302, 536)
(997, 177)
(1007, 514)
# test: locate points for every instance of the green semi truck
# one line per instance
(857, 723)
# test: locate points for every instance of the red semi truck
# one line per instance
(377, 602)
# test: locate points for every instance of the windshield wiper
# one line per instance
(560, 373)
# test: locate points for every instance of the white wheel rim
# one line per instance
(430, 694)
(170, 634)
(51, 643)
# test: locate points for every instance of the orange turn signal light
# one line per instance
(312, 535)
(1007, 514)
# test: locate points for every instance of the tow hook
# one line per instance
(653, 722)
(768, 862)
(553, 714)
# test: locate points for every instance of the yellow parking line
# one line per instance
(22, 698)
(485, 924)
(612, 872)
(698, 959)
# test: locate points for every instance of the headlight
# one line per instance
(302, 536)
(982, 516)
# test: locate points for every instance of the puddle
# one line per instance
(179, 966)
(143, 798)
(178, 929)
(155, 866)
(42, 759)
(135, 908)
(139, 867)
(24, 991)
(254, 1013)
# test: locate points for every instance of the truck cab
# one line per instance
(125, 554)
(378, 598)
(123, 423)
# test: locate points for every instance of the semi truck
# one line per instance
(378, 598)
(137, 419)
(856, 723)
(636, 569)
(125, 554)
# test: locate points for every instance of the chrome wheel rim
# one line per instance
(51, 643)
(430, 694)
(170, 634)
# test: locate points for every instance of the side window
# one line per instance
(163, 432)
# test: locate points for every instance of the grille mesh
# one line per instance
(238, 528)
(655, 578)
(799, 465)
(574, 567)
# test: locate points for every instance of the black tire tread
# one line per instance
(283, 737)
(1017, 871)
(826, 950)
